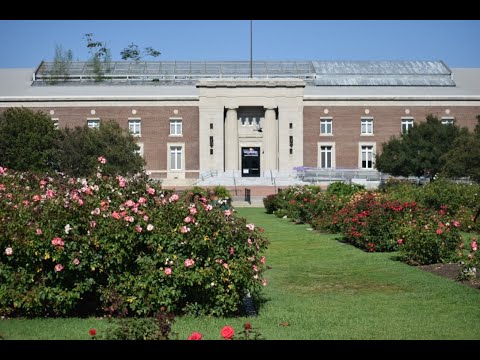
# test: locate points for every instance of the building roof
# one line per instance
(316, 73)
(19, 84)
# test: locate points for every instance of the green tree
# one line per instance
(418, 152)
(100, 56)
(61, 64)
(463, 159)
(133, 52)
(81, 147)
(28, 140)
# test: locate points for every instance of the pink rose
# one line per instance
(474, 245)
(225, 265)
(8, 251)
(149, 227)
(209, 207)
(142, 200)
(39, 231)
(263, 259)
(227, 332)
(195, 336)
(232, 250)
(138, 228)
(102, 160)
(58, 267)
(173, 198)
(151, 191)
(227, 212)
(76, 262)
(193, 211)
(168, 271)
(455, 223)
(189, 263)
(400, 241)
(184, 229)
(439, 231)
(250, 227)
(264, 282)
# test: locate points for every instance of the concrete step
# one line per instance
(241, 204)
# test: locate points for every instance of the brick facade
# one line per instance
(386, 123)
(155, 129)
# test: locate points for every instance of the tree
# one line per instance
(28, 140)
(418, 152)
(133, 52)
(463, 159)
(61, 64)
(81, 147)
(100, 56)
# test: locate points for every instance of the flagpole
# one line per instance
(251, 48)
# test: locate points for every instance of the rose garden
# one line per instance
(122, 258)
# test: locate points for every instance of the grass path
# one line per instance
(323, 289)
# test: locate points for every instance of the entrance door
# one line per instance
(250, 161)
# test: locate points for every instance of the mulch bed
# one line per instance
(450, 271)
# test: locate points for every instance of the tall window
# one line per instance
(366, 156)
(326, 126)
(366, 126)
(176, 158)
(407, 124)
(326, 157)
(448, 120)
(175, 127)
(93, 123)
(135, 127)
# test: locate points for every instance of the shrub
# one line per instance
(429, 237)
(340, 188)
(271, 203)
(124, 246)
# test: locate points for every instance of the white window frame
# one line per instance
(133, 123)
(176, 121)
(374, 151)
(140, 151)
(328, 121)
(446, 120)
(319, 152)
(170, 146)
(366, 121)
(93, 121)
(407, 122)
(55, 122)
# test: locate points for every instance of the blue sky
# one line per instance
(25, 43)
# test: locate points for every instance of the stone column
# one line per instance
(270, 140)
(231, 140)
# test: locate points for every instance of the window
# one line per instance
(140, 150)
(407, 124)
(290, 125)
(366, 156)
(326, 155)
(367, 126)
(448, 120)
(135, 127)
(93, 123)
(250, 121)
(243, 120)
(326, 126)
(211, 126)
(175, 127)
(55, 123)
(175, 157)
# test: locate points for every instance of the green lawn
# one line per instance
(323, 289)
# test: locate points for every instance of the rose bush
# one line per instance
(80, 246)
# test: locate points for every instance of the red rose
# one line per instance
(227, 332)
(92, 332)
(195, 336)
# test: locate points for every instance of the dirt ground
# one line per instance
(450, 271)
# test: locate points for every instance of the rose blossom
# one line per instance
(227, 332)
(151, 191)
(173, 198)
(195, 336)
(227, 212)
(8, 251)
(263, 259)
(264, 282)
(102, 160)
(225, 265)
(189, 263)
(92, 332)
(76, 261)
(39, 231)
(250, 227)
(138, 228)
(439, 231)
(149, 227)
(474, 244)
(232, 250)
(184, 229)
(168, 271)
(209, 207)
(58, 267)
(193, 211)
(400, 241)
